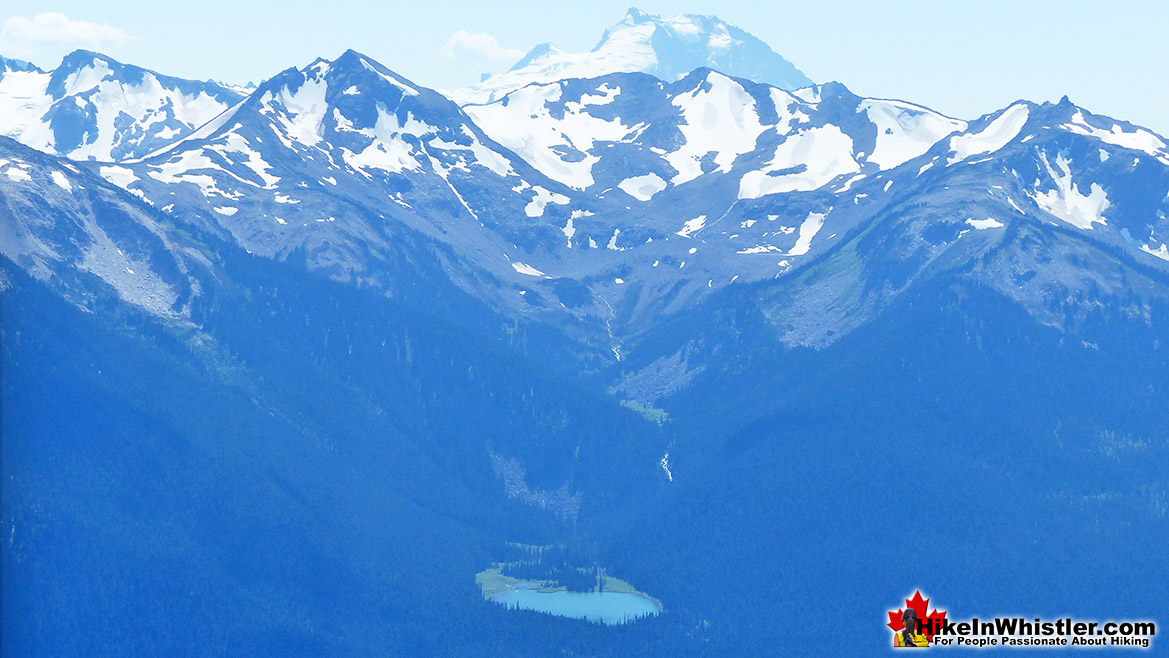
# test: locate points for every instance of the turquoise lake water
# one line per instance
(605, 607)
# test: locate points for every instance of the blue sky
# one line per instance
(963, 58)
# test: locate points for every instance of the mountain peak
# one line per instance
(351, 73)
(95, 107)
(353, 58)
(537, 53)
(81, 58)
(361, 65)
(668, 49)
(636, 15)
(816, 93)
(8, 64)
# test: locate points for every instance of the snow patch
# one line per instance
(808, 230)
(905, 131)
(848, 183)
(1162, 252)
(612, 246)
(721, 118)
(805, 161)
(237, 144)
(524, 268)
(993, 137)
(559, 148)
(541, 198)
(18, 175)
(569, 230)
(1138, 140)
(24, 99)
(177, 170)
(387, 152)
(692, 226)
(1066, 201)
(643, 188)
(304, 110)
(120, 176)
(61, 181)
(761, 249)
(984, 224)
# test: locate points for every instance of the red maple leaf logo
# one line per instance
(919, 606)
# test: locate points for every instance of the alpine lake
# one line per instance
(611, 601)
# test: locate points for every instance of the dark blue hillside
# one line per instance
(953, 445)
(316, 481)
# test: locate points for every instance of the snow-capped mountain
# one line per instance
(8, 65)
(722, 181)
(615, 184)
(335, 160)
(616, 201)
(667, 48)
(1047, 204)
(632, 133)
(92, 107)
(657, 320)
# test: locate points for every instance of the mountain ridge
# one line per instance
(821, 159)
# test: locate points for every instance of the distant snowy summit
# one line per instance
(668, 49)
(94, 107)
(8, 65)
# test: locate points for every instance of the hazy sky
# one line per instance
(963, 58)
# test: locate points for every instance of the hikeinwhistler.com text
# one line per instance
(1031, 633)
